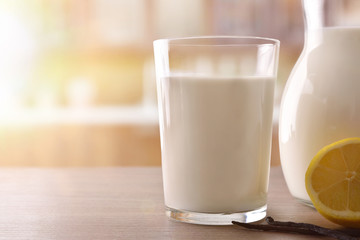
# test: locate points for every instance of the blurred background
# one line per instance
(77, 81)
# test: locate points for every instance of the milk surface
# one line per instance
(323, 104)
(216, 137)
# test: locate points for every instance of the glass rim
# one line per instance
(196, 41)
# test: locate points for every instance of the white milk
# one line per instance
(216, 137)
(323, 104)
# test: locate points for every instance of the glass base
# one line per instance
(306, 202)
(216, 218)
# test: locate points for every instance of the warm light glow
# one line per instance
(81, 92)
(17, 50)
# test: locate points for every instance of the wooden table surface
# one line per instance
(117, 203)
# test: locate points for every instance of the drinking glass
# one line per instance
(215, 98)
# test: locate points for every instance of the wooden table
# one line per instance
(117, 203)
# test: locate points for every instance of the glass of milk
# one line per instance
(215, 97)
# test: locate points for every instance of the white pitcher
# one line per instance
(321, 100)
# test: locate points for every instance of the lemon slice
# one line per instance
(333, 182)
